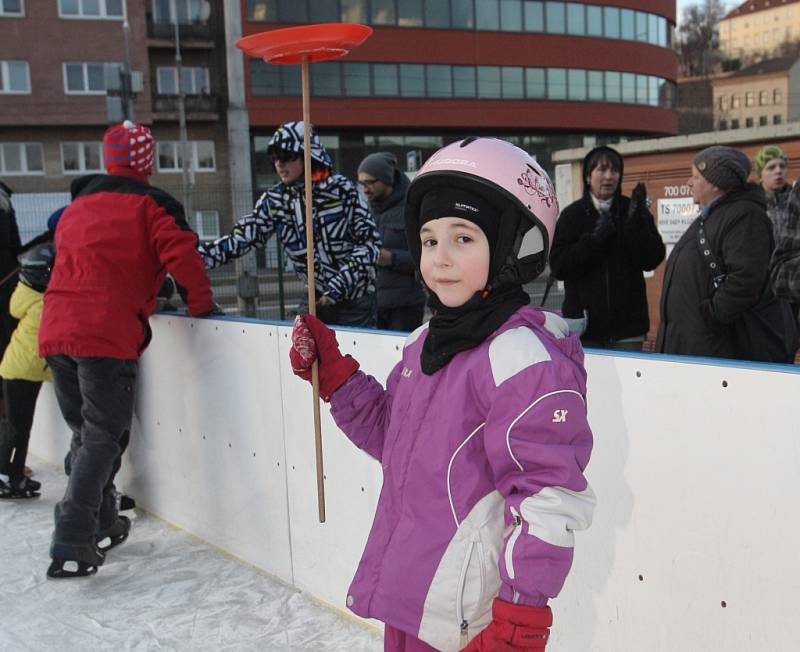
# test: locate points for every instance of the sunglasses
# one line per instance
(284, 157)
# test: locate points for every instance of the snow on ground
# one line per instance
(160, 590)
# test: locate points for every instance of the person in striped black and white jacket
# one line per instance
(346, 238)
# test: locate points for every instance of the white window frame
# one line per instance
(175, 146)
(174, 71)
(82, 169)
(4, 75)
(13, 14)
(85, 65)
(81, 16)
(197, 225)
(23, 156)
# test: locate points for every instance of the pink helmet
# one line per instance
(513, 182)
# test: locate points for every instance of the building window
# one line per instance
(595, 85)
(90, 9)
(576, 84)
(362, 79)
(12, 8)
(356, 79)
(735, 101)
(409, 13)
(382, 12)
(510, 15)
(535, 83)
(735, 123)
(194, 81)
(206, 225)
(777, 96)
(576, 19)
(489, 84)
(384, 80)
(611, 22)
(723, 125)
(749, 98)
(748, 122)
(15, 77)
(353, 11)
(21, 158)
(556, 84)
(201, 156)
(763, 121)
(723, 102)
(777, 119)
(84, 78)
(77, 158)
(463, 13)
(464, 81)
(188, 11)
(412, 80)
(487, 14)
(763, 98)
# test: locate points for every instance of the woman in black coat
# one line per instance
(602, 244)
(696, 318)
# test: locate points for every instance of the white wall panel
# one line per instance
(696, 468)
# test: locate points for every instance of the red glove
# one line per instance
(513, 627)
(312, 340)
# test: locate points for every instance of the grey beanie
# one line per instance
(380, 165)
(725, 167)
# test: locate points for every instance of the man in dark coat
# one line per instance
(696, 318)
(602, 244)
(401, 301)
(10, 248)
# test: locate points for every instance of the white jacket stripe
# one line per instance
(555, 513)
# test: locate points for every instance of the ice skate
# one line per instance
(114, 534)
(20, 487)
(72, 561)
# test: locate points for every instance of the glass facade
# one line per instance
(573, 18)
(364, 79)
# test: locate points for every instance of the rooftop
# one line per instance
(754, 6)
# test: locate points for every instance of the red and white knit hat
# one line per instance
(129, 145)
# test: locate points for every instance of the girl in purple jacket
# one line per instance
(481, 429)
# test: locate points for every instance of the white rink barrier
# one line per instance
(696, 467)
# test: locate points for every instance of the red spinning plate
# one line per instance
(319, 42)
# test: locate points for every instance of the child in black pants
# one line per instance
(23, 372)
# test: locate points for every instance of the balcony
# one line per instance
(193, 35)
(198, 107)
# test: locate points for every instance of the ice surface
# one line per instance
(161, 590)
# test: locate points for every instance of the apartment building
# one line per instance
(759, 28)
(54, 76)
(757, 95)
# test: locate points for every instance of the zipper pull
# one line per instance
(516, 516)
(464, 633)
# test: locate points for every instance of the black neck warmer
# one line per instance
(452, 330)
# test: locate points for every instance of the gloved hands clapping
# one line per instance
(313, 340)
(638, 206)
(604, 228)
(513, 627)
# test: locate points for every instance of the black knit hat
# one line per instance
(449, 201)
(724, 167)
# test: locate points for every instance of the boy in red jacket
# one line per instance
(116, 242)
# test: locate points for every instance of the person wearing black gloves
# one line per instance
(602, 244)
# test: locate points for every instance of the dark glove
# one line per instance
(313, 340)
(513, 627)
(711, 321)
(216, 310)
(604, 228)
(638, 206)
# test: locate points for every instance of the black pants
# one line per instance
(96, 397)
(402, 318)
(15, 430)
(361, 312)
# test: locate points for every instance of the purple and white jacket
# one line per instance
(483, 480)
